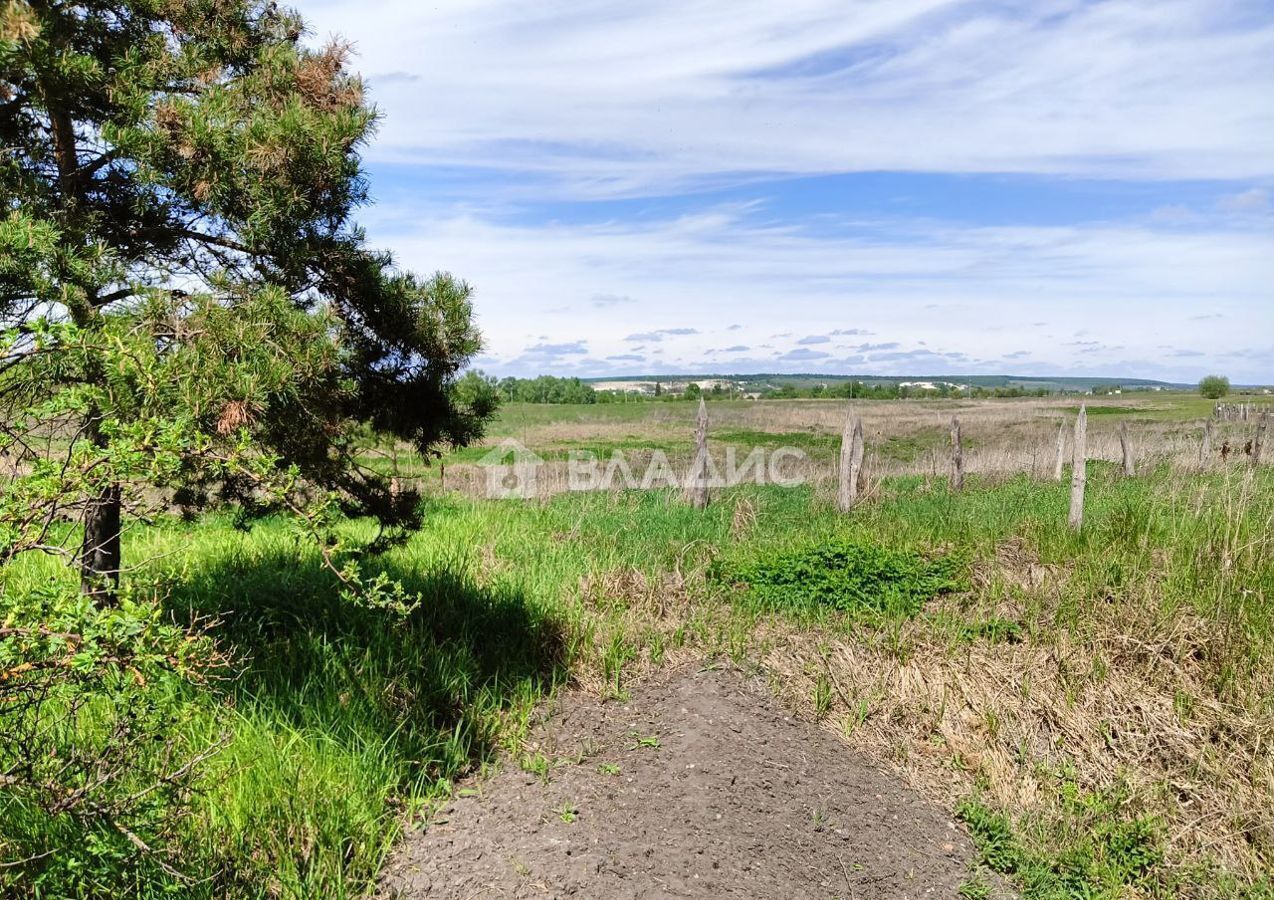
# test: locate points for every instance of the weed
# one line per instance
(651, 741)
(536, 764)
(975, 888)
(853, 577)
(1101, 853)
(822, 698)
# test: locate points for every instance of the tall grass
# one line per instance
(344, 722)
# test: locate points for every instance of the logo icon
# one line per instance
(512, 470)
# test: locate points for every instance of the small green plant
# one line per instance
(994, 630)
(822, 696)
(567, 813)
(1095, 852)
(536, 764)
(975, 888)
(607, 769)
(853, 577)
(993, 835)
(857, 717)
(651, 741)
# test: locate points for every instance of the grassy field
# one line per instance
(1098, 707)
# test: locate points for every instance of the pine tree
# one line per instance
(186, 303)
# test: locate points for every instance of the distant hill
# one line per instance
(1051, 383)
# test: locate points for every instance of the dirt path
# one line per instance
(699, 786)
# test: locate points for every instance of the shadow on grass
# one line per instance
(432, 688)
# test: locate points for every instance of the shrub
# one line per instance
(852, 577)
(1214, 387)
(94, 770)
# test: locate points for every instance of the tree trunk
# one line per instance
(100, 552)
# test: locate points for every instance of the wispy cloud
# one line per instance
(1124, 286)
(622, 99)
(604, 301)
(652, 337)
(498, 113)
(803, 354)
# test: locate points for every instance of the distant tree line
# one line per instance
(896, 391)
(476, 387)
(544, 389)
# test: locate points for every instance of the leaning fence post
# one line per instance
(957, 456)
(1205, 446)
(697, 477)
(1061, 452)
(1130, 468)
(1258, 445)
(1079, 467)
(851, 463)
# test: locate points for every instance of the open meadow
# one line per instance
(809, 451)
(1097, 707)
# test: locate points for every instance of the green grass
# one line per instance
(1102, 851)
(342, 720)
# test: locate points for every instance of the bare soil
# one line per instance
(701, 785)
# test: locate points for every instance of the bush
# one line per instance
(1214, 387)
(93, 704)
(846, 576)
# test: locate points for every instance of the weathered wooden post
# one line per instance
(957, 456)
(697, 477)
(1205, 446)
(851, 463)
(1060, 462)
(1258, 445)
(1130, 468)
(1079, 469)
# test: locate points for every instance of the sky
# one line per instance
(839, 186)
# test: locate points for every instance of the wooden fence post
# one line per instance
(1061, 452)
(851, 463)
(1258, 445)
(1130, 468)
(1205, 446)
(697, 477)
(957, 456)
(1079, 469)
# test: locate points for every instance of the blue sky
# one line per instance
(847, 186)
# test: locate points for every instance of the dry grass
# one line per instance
(1129, 707)
(1002, 438)
(1094, 691)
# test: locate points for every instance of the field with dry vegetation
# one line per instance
(1096, 707)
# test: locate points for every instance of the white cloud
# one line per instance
(981, 293)
(1254, 200)
(610, 98)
